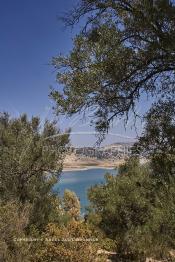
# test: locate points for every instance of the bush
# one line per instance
(63, 249)
(136, 212)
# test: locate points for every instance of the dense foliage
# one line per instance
(125, 49)
(30, 162)
(14, 218)
(31, 157)
(71, 204)
(137, 207)
(158, 139)
(135, 211)
(36, 224)
(74, 242)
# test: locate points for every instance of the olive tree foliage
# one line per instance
(31, 157)
(13, 220)
(71, 204)
(125, 49)
(157, 142)
(137, 212)
(73, 243)
(136, 207)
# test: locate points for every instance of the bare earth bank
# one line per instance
(72, 162)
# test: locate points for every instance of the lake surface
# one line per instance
(80, 180)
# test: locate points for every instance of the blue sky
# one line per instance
(30, 35)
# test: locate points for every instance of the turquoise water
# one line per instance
(79, 181)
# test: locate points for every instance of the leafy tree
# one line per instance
(31, 159)
(125, 49)
(71, 204)
(131, 211)
(136, 208)
(122, 205)
(157, 142)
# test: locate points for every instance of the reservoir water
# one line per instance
(80, 180)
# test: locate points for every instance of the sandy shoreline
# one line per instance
(72, 163)
(86, 168)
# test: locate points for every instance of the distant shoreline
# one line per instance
(66, 169)
(74, 163)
